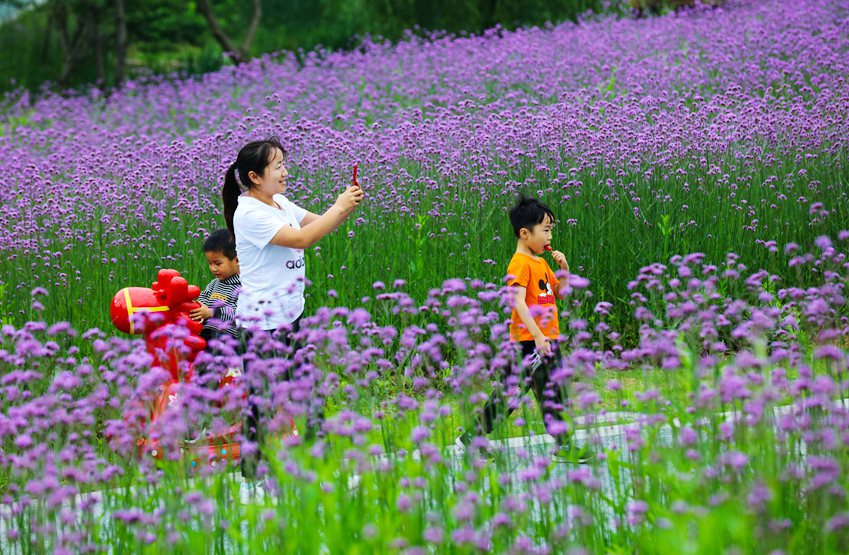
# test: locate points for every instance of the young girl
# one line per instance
(271, 234)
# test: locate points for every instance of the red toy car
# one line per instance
(167, 303)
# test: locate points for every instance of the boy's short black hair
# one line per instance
(527, 213)
(221, 241)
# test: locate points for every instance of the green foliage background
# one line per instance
(171, 35)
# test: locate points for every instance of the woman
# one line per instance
(271, 234)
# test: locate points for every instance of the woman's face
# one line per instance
(273, 179)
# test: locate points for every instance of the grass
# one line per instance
(607, 244)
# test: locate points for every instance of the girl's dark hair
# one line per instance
(527, 213)
(221, 240)
(254, 157)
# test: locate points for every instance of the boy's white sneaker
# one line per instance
(252, 493)
(191, 439)
(466, 441)
(353, 481)
(534, 362)
(463, 441)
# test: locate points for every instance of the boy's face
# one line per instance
(221, 266)
(537, 237)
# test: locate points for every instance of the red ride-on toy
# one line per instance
(164, 306)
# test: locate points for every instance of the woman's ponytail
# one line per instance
(230, 195)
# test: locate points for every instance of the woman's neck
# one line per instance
(262, 197)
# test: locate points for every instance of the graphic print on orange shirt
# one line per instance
(539, 282)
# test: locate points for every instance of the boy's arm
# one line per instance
(203, 298)
(224, 313)
(560, 290)
(200, 314)
(560, 286)
(525, 316)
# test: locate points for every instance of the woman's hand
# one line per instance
(350, 199)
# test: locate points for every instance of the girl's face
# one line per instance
(273, 179)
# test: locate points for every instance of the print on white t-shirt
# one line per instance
(272, 276)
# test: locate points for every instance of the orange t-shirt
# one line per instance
(540, 283)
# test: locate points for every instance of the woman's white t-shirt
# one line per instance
(272, 277)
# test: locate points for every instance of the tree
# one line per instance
(77, 24)
(120, 42)
(237, 54)
(83, 33)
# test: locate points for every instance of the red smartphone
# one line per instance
(354, 177)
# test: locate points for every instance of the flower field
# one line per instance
(697, 164)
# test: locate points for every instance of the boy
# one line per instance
(218, 301)
(534, 326)
(217, 311)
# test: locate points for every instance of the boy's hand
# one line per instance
(543, 346)
(350, 199)
(560, 258)
(201, 313)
